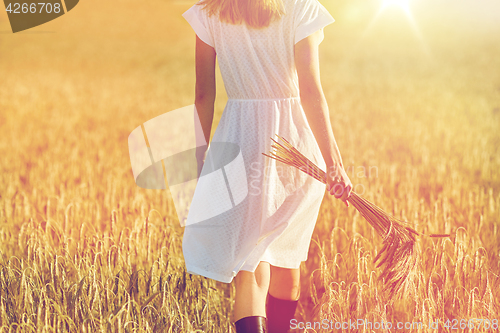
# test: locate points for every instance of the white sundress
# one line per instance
(275, 221)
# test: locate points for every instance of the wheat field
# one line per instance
(415, 108)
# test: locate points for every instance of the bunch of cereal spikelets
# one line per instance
(398, 257)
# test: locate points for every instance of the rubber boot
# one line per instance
(253, 324)
(279, 314)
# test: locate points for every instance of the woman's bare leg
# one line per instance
(284, 292)
(251, 292)
(285, 283)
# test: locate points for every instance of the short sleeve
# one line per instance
(311, 17)
(199, 22)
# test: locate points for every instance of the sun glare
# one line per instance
(403, 4)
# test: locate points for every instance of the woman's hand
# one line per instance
(338, 183)
(200, 157)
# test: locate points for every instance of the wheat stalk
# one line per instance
(398, 257)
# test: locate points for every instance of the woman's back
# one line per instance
(259, 63)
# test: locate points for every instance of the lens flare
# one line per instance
(403, 4)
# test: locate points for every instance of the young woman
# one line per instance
(267, 52)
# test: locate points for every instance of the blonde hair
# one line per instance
(255, 13)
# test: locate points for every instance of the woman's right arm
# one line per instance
(204, 94)
(316, 110)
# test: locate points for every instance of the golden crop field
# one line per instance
(415, 107)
